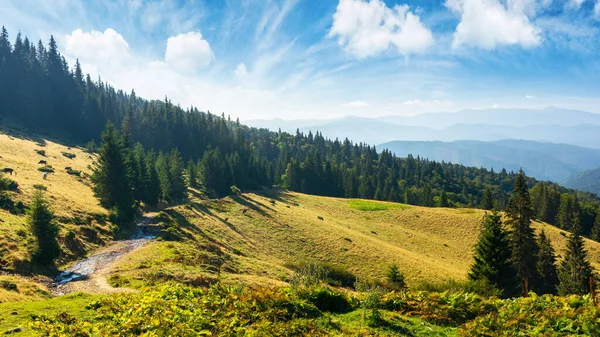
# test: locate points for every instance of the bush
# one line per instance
(40, 187)
(46, 168)
(479, 287)
(41, 152)
(325, 299)
(235, 190)
(7, 184)
(73, 172)
(8, 285)
(68, 155)
(91, 146)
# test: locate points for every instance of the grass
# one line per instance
(369, 205)
(70, 196)
(18, 314)
(13, 289)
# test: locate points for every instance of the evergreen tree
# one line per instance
(153, 192)
(443, 200)
(192, 177)
(575, 269)
(163, 174)
(395, 277)
(493, 256)
(487, 202)
(40, 219)
(522, 237)
(111, 176)
(546, 266)
(595, 235)
(176, 175)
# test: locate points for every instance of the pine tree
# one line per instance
(443, 200)
(546, 266)
(40, 219)
(395, 278)
(522, 237)
(176, 175)
(493, 255)
(111, 176)
(575, 269)
(487, 202)
(595, 235)
(192, 176)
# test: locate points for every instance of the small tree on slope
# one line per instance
(522, 237)
(546, 266)
(41, 222)
(493, 257)
(575, 270)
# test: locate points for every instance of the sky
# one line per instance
(306, 59)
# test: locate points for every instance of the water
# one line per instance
(82, 269)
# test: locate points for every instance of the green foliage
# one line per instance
(395, 278)
(192, 174)
(575, 269)
(366, 205)
(41, 152)
(522, 237)
(546, 266)
(175, 310)
(40, 187)
(313, 272)
(324, 298)
(235, 190)
(46, 168)
(72, 172)
(9, 285)
(69, 155)
(91, 146)
(538, 316)
(493, 255)
(40, 219)
(111, 176)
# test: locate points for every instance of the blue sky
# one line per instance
(297, 59)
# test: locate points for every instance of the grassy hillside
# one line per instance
(585, 181)
(70, 196)
(256, 237)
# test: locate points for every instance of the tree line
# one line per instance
(43, 94)
(517, 260)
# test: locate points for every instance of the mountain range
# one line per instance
(551, 125)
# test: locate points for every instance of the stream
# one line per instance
(84, 269)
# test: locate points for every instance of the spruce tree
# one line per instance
(192, 176)
(40, 219)
(595, 235)
(111, 176)
(395, 278)
(546, 266)
(493, 255)
(522, 237)
(575, 270)
(176, 168)
(487, 202)
(443, 200)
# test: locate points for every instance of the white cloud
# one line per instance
(529, 96)
(241, 74)
(574, 4)
(188, 52)
(488, 24)
(597, 9)
(108, 46)
(495, 106)
(435, 102)
(357, 104)
(368, 28)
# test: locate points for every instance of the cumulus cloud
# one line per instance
(241, 73)
(574, 4)
(357, 104)
(487, 24)
(107, 46)
(368, 28)
(188, 52)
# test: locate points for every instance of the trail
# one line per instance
(89, 274)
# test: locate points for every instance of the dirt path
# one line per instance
(89, 275)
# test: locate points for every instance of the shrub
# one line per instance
(40, 187)
(8, 285)
(46, 168)
(7, 184)
(235, 190)
(91, 146)
(68, 155)
(41, 152)
(325, 299)
(318, 271)
(73, 172)
(18, 208)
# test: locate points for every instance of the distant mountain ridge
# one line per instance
(588, 181)
(550, 125)
(555, 162)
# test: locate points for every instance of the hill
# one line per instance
(585, 181)
(544, 161)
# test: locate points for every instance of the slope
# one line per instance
(585, 181)
(252, 239)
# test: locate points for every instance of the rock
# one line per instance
(12, 331)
